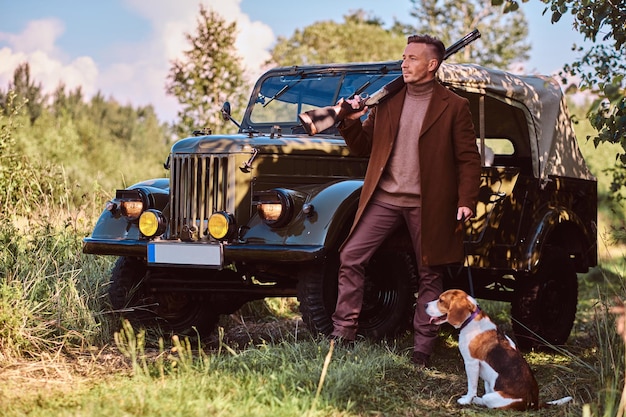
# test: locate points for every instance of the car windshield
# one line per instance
(282, 98)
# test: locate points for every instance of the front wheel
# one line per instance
(544, 308)
(175, 312)
(388, 302)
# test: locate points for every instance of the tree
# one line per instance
(74, 140)
(66, 102)
(209, 74)
(503, 37)
(363, 38)
(358, 38)
(26, 89)
(601, 69)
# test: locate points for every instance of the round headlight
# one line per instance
(270, 212)
(221, 225)
(274, 206)
(132, 209)
(152, 223)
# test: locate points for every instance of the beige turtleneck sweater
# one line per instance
(399, 184)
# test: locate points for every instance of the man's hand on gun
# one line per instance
(351, 108)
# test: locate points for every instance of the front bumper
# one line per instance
(251, 253)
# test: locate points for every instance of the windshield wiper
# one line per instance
(383, 71)
(283, 90)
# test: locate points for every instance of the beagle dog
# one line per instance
(489, 354)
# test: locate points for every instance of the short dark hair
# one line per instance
(436, 45)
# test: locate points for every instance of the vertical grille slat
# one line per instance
(224, 182)
(201, 206)
(213, 188)
(207, 180)
(173, 190)
(198, 189)
(193, 196)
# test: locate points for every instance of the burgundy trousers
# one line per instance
(378, 221)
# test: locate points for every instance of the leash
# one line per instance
(459, 270)
(469, 271)
(466, 261)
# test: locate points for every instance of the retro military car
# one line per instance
(262, 213)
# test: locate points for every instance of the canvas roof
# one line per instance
(553, 141)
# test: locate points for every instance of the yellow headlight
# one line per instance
(151, 223)
(221, 224)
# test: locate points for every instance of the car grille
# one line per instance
(199, 187)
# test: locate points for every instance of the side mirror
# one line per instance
(226, 114)
(226, 111)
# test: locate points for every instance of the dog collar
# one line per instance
(470, 318)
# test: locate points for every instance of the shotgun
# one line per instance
(318, 120)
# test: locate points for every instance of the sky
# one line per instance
(123, 48)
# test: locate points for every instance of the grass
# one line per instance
(274, 369)
(277, 379)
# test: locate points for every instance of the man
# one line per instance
(424, 170)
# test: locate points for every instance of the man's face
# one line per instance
(418, 63)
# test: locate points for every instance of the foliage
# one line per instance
(503, 37)
(52, 304)
(49, 303)
(22, 183)
(50, 297)
(9, 159)
(601, 69)
(363, 38)
(358, 39)
(209, 74)
(600, 159)
(27, 91)
(75, 145)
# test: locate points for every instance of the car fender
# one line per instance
(558, 226)
(332, 210)
(110, 226)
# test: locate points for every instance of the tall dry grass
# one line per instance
(50, 294)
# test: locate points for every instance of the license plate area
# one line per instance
(208, 255)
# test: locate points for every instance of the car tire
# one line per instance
(172, 312)
(388, 304)
(544, 308)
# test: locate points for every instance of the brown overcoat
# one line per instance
(449, 166)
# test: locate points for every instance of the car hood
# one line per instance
(264, 144)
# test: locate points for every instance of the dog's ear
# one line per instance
(460, 309)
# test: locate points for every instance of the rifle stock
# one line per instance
(318, 120)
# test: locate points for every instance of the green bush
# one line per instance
(50, 295)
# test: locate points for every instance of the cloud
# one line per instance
(253, 43)
(36, 45)
(170, 22)
(39, 35)
(136, 72)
